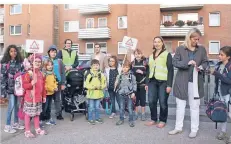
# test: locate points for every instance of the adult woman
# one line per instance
(189, 58)
(160, 77)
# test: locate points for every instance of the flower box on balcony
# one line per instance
(179, 23)
(168, 23)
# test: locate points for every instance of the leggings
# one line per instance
(27, 122)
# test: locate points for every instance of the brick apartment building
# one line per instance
(107, 24)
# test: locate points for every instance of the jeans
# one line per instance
(93, 107)
(46, 112)
(114, 96)
(157, 91)
(122, 107)
(12, 105)
(226, 100)
(58, 104)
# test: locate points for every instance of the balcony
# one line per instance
(1, 11)
(1, 19)
(95, 33)
(176, 31)
(1, 38)
(94, 9)
(181, 7)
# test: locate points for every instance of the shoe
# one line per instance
(131, 124)
(112, 116)
(161, 124)
(174, 132)
(228, 140)
(51, 122)
(120, 122)
(192, 134)
(29, 134)
(41, 125)
(221, 135)
(60, 117)
(150, 123)
(143, 117)
(99, 120)
(92, 122)
(9, 129)
(18, 126)
(40, 132)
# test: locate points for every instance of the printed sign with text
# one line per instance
(129, 43)
(34, 46)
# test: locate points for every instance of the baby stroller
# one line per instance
(74, 95)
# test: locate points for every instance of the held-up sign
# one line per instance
(129, 43)
(34, 46)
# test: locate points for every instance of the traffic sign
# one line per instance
(129, 43)
(34, 46)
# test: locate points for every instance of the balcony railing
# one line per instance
(1, 39)
(176, 31)
(1, 19)
(1, 11)
(94, 33)
(95, 9)
(181, 7)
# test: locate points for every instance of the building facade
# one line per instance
(108, 24)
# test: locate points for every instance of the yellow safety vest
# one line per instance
(67, 59)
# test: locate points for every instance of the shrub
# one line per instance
(168, 23)
(179, 23)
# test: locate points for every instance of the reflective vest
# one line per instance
(67, 59)
(158, 67)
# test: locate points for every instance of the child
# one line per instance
(27, 61)
(139, 68)
(111, 74)
(11, 63)
(51, 87)
(59, 72)
(126, 88)
(36, 94)
(223, 83)
(95, 83)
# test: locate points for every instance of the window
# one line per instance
(71, 26)
(103, 46)
(16, 30)
(90, 23)
(122, 22)
(28, 29)
(188, 16)
(214, 19)
(214, 47)
(180, 43)
(15, 9)
(121, 48)
(1, 50)
(167, 17)
(2, 31)
(70, 6)
(168, 46)
(75, 47)
(102, 22)
(89, 48)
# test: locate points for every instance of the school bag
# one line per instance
(217, 110)
(106, 103)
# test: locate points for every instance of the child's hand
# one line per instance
(168, 89)
(133, 96)
(146, 88)
(139, 71)
(33, 82)
(56, 89)
(62, 87)
(44, 100)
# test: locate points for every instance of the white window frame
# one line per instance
(1, 30)
(86, 47)
(14, 29)
(171, 45)
(69, 26)
(215, 41)
(102, 18)
(93, 23)
(118, 22)
(167, 15)
(219, 19)
(77, 47)
(70, 6)
(178, 43)
(11, 6)
(119, 48)
(101, 47)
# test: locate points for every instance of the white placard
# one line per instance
(34, 46)
(129, 43)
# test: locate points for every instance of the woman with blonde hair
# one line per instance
(190, 59)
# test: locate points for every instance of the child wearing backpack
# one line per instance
(35, 95)
(222, 75)
(11, 64)
(111, 73)
(126, 88)
(139, 68)
(51, 87)
(95, 83)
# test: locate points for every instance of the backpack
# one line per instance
(217, 110)
(120, 79)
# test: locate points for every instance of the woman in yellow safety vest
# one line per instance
(159, 82)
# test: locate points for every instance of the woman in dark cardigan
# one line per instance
(191, 60)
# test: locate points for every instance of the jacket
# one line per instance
(93, 80)
(224, 77)
(8, 70)
(59, 70)
(103, 61)
(60, 56)
(107, 73)
(50, 83)
(40, 91)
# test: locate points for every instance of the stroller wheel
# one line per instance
(72, 116)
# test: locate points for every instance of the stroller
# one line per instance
(74, 100)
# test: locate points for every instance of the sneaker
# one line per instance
(41, 125)
(192, 134)
(112, 116)
(51, 122)
(91, 122)
(18, 126)
(131, 124)
(120, 122)
(99, 120)
(221, 135)
(174, 132)
(60, 117)
(9, 129)
(143, 117)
